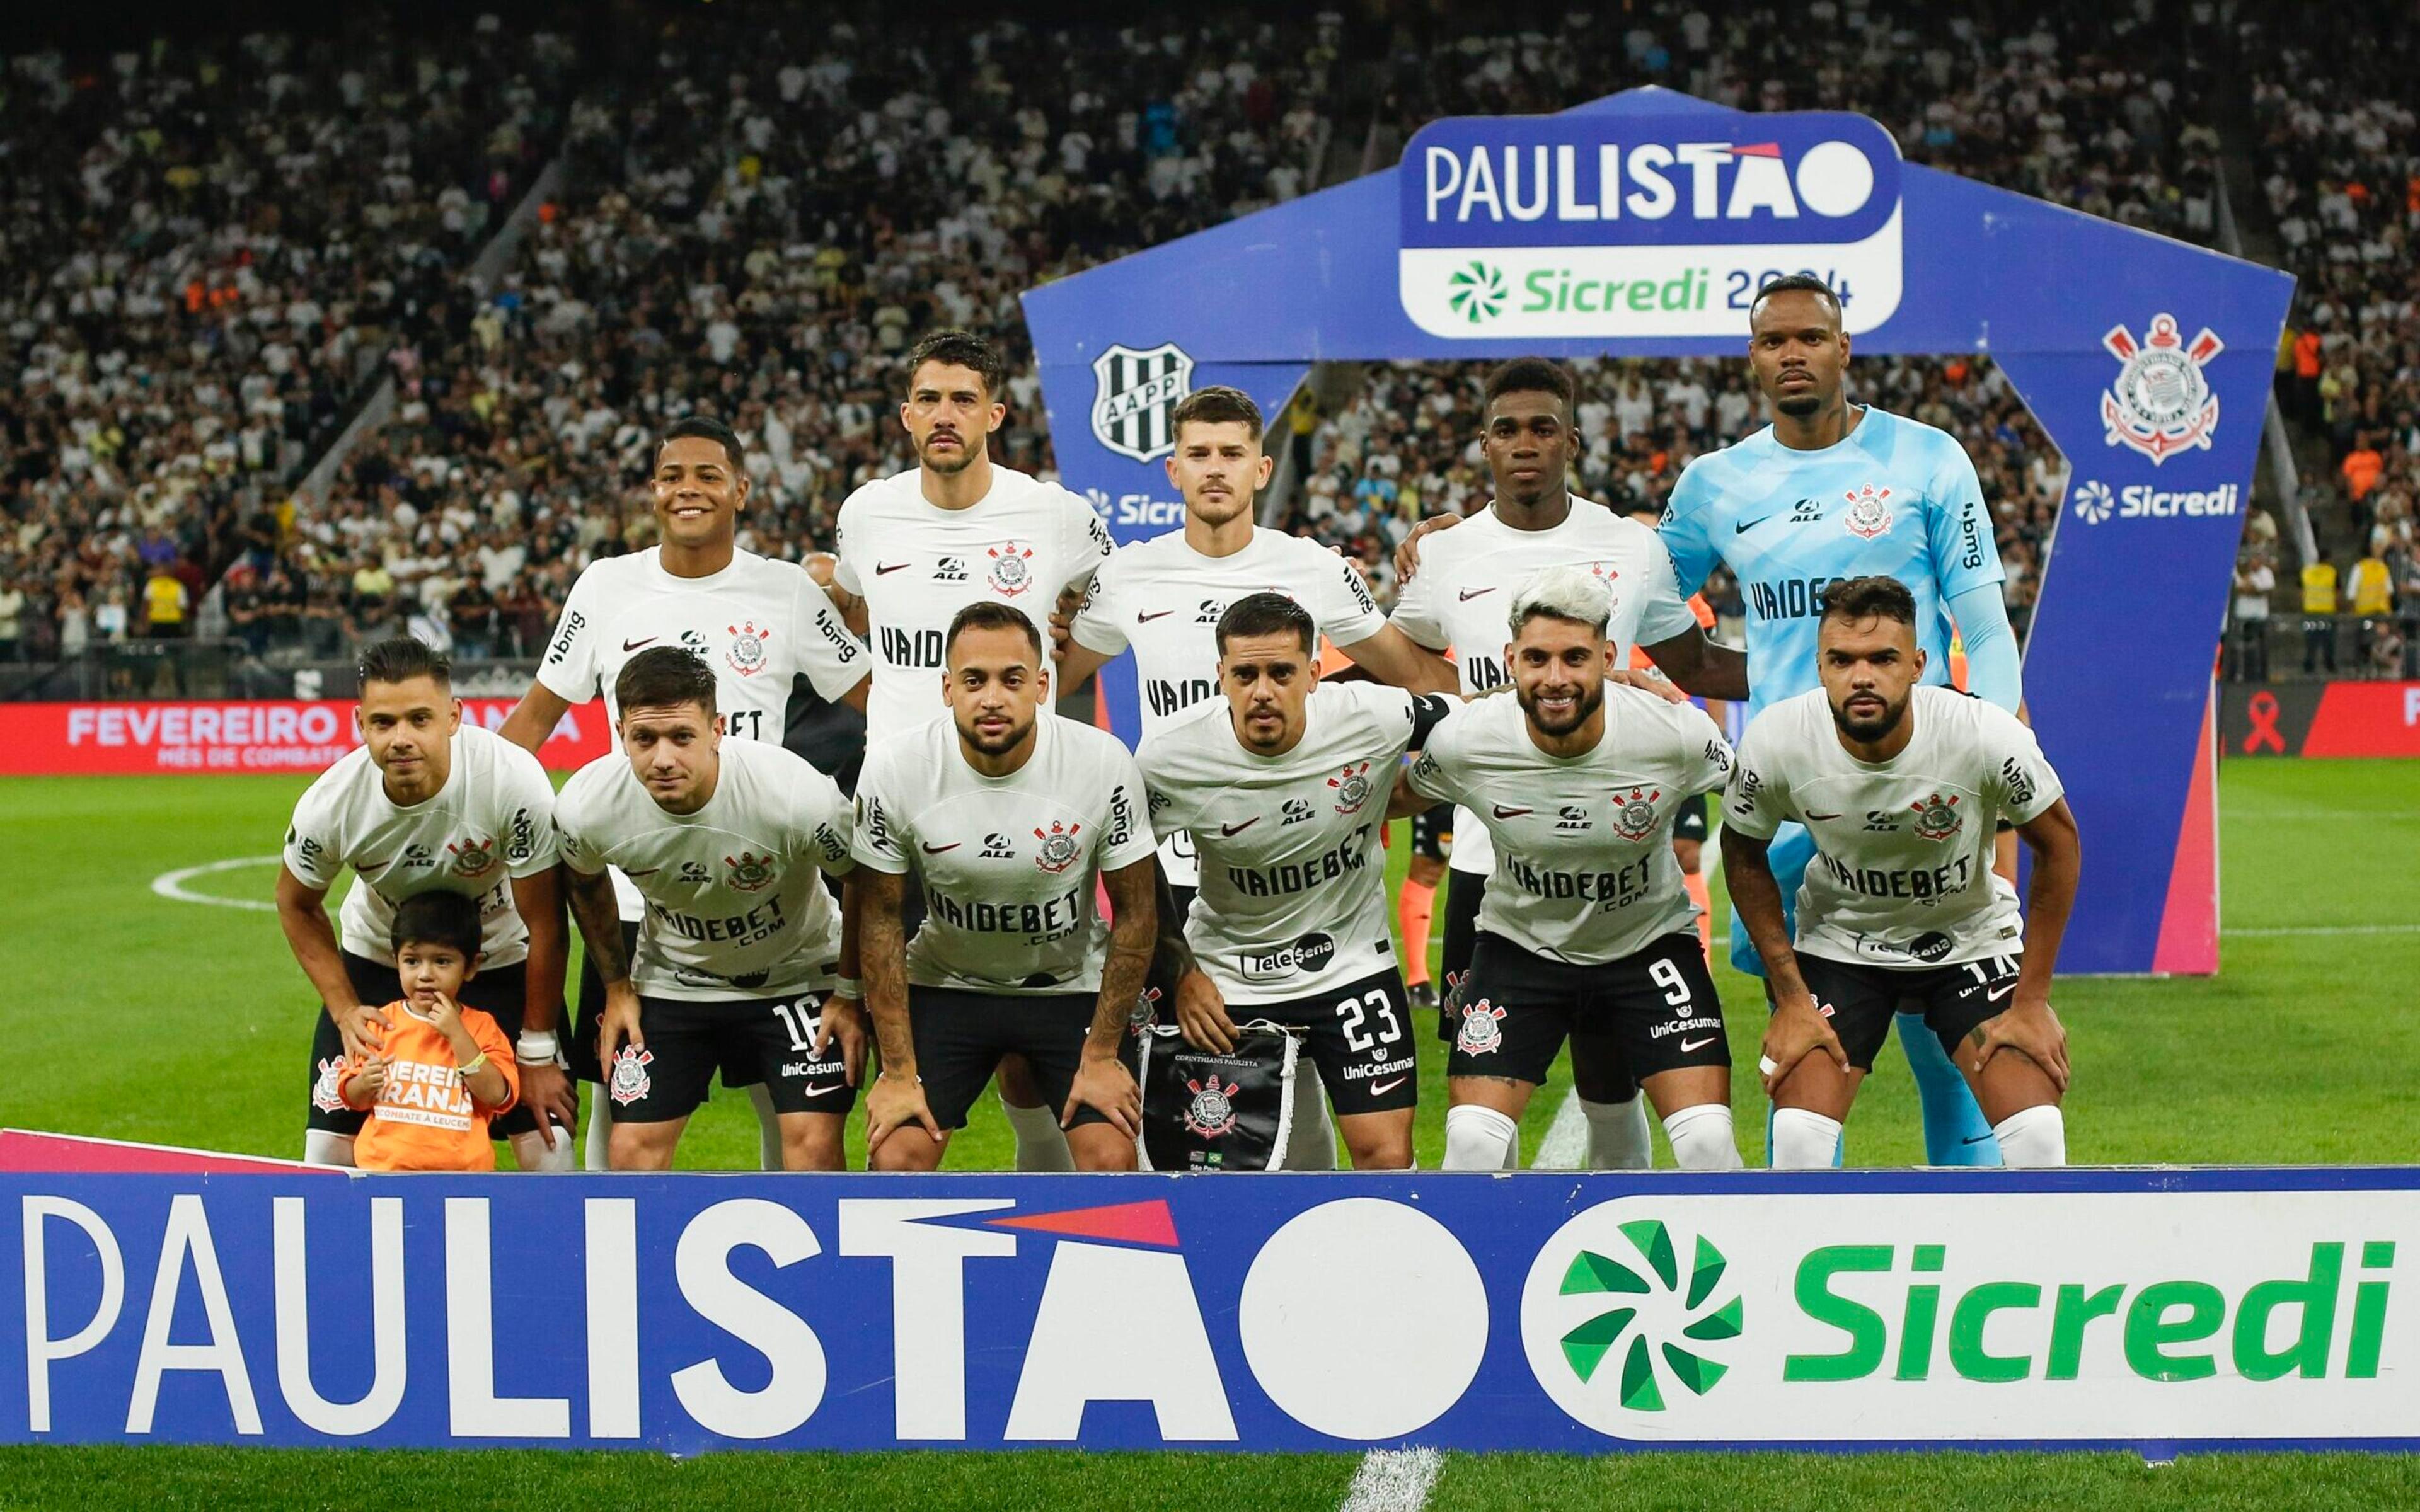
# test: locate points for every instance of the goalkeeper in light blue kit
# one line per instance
(1831, 491)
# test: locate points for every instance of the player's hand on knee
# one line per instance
(841, 1022)
(1103, 1082)
(894, 1101)
(1407, 555)
(546, 1091)
(2029, 1029)
(1796, 1030)
(1653, 682)
(1202, 1014)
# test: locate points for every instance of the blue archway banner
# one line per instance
(1640, 225)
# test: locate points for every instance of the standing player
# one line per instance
(1901, 785)
(1285, 790)
(1009, 816)
(916, 548)
(728, 842)
(1585, 932)
(1831, 490)
(427, 804)
(1468, 576)
(760, 625)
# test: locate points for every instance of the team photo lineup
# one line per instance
(984, 895)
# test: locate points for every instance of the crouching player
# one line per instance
(1586, 930)
(1901, 785)
(442, 1069)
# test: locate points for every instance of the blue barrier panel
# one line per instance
(2153, 1309)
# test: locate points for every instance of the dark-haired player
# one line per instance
(1009, 816)
(1900, 912)
(427, 804)
(1467, 581)
(1284, 784)
(761, 625)
(959, 529)
(728, 843)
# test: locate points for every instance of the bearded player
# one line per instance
(1901, 783)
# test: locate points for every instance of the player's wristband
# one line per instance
(536, 1047)
(476, 1064)
(848, 987)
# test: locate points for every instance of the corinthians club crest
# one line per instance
(1058, 846)
(1633, 812)
(747, 653)
(2160, 404)
(1212, 1112)
(1936, 817)
(1482, 1029)
(1869, 513)
(1011, 567)
(1135, 396)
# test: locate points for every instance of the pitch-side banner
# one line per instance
(253, 736)
(2158, 1310)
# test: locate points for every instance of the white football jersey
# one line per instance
(917, 564)
(1293, 864)
(1584, 865)
(491, 822)
(760, 623)
(1463, 598)
(1903, 873)
(1008, 864)
(1163, 599)
(736, 903)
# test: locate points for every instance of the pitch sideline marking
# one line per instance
(1395, 1480)
(172, 884)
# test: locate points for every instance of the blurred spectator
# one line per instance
(2318, 615)
(166, 601)
(2255, 579)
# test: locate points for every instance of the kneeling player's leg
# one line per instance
(1516, 1014)
(958, 1048)
(1040, 1144)
(1662, 1007)
(1956, 1133)
(1607, 1093)
(810, 1095)
(1361, 1047)
(2017, 1095)
(1792, 849)
(1812, 1103)
(659, 1079)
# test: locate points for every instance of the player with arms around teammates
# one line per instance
(728, 842)
(1901, 783)
(759, 623)
(1008, 816)
(427, 804)
(1283, 784)
(914, 548)
(1585, 933)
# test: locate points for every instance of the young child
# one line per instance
(445, 1070)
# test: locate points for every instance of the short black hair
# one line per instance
(1218, 405)
(1531, 375)
(960, 349)
(1266, 613)
(448, 919)
(990, 614)
(662, 677)
(1796, 284)
(710, 429)
(1867, 599)
(401, 658)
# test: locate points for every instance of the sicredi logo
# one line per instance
(1666, 225)
(2094, 503)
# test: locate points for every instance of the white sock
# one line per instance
(769, 1128)
(1480, 1139)
(597, 1153)
(530, 1152)
(1311, 1146)
(1804, 1140)
(1040, 1143)
(1702, 1139)
(320, 1147)
(1618, 1138)
(2033, 1137)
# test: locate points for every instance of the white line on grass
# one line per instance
(1395, 1480)
(172, 884)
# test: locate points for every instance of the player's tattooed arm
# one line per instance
(600, 918)
(871, 903)
(1102, 1080)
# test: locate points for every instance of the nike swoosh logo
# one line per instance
(649, 872)
(1743, 530)
(881, 571)
(1693, 1046)
(1233, 830)
(1502, 813)
(1382, 1089)
(1157, 614)
(935, 850)
(822, 1092)
(365, 871)
(1470, 593)
(643, 641)
(1994, 998)
(1976, 1139)
(1812, 815)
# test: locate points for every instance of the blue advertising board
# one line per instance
(1641, 225)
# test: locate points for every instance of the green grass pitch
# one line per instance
(140, 1016)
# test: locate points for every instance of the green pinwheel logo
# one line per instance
(1476, 292)
(1618, 1329)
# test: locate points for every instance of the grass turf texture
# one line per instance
(2278, 1059)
